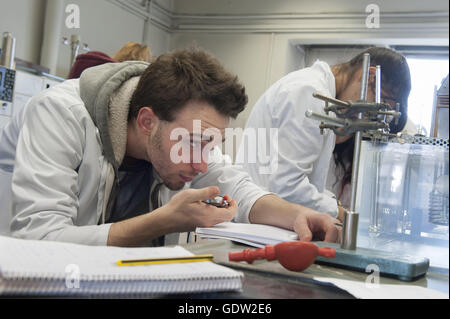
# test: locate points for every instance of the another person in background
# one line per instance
(131, 51)
(305, 155)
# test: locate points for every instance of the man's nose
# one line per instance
(201, 166)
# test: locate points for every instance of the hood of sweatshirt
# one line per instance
(106, 91)
(88, 60)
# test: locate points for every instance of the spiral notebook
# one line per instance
(31, 267)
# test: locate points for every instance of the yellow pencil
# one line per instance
(167, 260)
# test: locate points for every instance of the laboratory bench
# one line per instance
(270, 280)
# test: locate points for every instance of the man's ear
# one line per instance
(146, 120)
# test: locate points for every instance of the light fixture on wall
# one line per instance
(75, 46)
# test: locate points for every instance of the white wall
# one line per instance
(233, 51)
(24, 19)
(103, 26)
(158, 30)
(330, 55)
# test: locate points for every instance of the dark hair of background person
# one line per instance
(177, 77)
(396, 79)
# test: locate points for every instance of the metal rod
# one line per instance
(75, 41)
(356, 153)
(393, 113)
(365, 77)
(8, 50)
(350, 230)
(373, 226)
(324, 118)
(378, 88)
(330, 100)
(378, 85)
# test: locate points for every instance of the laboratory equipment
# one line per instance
(7, 74)
(7, 80)
(292, 255)
(8, 50)
(404, 203)
(439, 120)
(371, 122)
(350, 230)
(75, 46)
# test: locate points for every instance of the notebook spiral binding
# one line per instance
(15, 283)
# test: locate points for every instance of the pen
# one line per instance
(165, 260)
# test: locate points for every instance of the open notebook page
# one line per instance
(28, 259)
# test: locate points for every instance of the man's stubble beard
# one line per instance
(158, 161)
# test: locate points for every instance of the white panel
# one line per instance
(157, 40)
(27, 83)
(24, 19)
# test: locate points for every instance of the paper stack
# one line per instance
(255, 235)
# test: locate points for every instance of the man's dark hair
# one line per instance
(177, 77)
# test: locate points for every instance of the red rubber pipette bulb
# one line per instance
(296, 256)
(249, 255)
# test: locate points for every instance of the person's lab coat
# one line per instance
(299, 154)
(55, 180)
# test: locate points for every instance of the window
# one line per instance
(426, 75)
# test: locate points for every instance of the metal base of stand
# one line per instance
(402, 267)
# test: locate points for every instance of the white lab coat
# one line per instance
(55, 181)
(300, 161)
